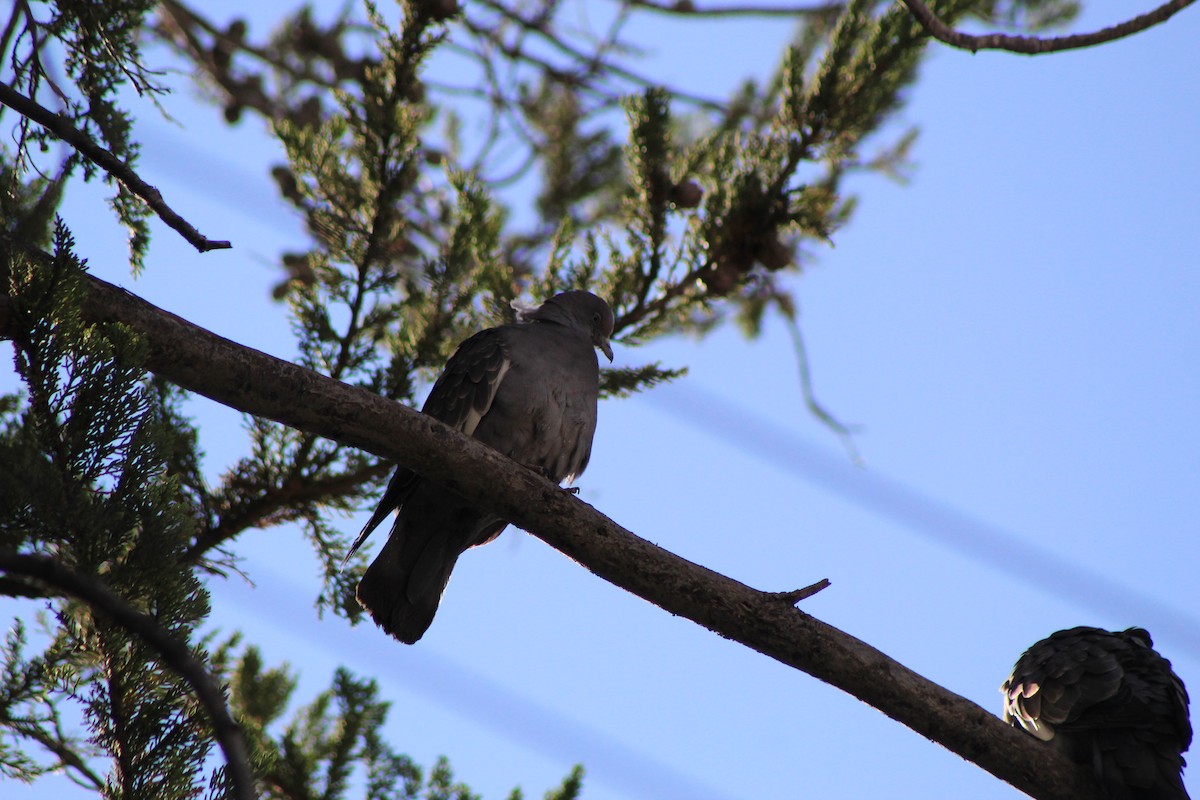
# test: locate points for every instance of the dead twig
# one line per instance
(796, 595)
(64, 130)
(1034, 45)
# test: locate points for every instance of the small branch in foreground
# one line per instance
(1033, 45)
(104, 159)
(67, 758)
(175, 653)
(277, 498)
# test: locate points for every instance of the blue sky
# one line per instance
(1015, 330)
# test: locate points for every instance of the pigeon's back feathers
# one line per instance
(1108, 700)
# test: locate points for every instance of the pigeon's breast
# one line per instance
(544, 412)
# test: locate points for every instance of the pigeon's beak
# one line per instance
(605, 347)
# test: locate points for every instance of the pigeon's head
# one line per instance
(582, 310)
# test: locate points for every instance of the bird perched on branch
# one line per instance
(527, 389)
(1108, 700)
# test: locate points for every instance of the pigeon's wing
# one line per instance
(1060, 678)
(467, 386)
(398, 488)
(460, 398)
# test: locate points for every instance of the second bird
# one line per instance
(528, 390)
(1106, 699)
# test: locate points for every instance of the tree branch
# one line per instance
(68, 759)
(118, 169)
(593, 64)
(267, 507)
(1033, 45)
(175, 653)
(251, 381)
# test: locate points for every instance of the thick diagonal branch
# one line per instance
(254, 382)
(63, 129)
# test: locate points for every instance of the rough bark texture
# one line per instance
(251, 381)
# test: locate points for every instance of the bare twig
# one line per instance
(63, 129)
(796, 595)
(1033, 45)
(272, 502)
(9, 29)
(596, 66)
(259, 384)
(845, 432)
(175, 653)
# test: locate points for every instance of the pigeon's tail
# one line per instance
(1133, 764)
(404, 584)
(1130, 763)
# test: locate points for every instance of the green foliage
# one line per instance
(580, 165)
(1029, 15)
(31, 711)
(27, 209)
(101, 44)
(410, 252)
(333, 747)
(88, 451)
(368, 306)
(571, 788)
(624, 381)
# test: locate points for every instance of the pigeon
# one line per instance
(528, 390)
(1106, 700)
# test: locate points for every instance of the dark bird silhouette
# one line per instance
(528, 390)
(1107, 700)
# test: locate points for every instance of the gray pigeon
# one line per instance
(528, 390)
(1108, 700)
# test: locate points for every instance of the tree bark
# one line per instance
(249, 380)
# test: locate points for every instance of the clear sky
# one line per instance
(1017, 331)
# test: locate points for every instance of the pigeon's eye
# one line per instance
(596, 318)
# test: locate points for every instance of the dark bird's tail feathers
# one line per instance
(1134, 765)
(403, 586)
